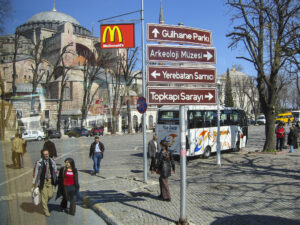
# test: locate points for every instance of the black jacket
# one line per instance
(164, 164)
(292, 139)
(92, 148)
(60, 182)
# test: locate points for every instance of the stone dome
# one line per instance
(52, 16)
(52, 20)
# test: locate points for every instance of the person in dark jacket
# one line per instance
(96, 153)
(68, 185)
(292, 140)
(164, 163)
(44, 177)
(50, 146)
(152, 150)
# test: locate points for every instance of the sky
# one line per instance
(211, 15)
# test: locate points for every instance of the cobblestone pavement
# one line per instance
(249, 188)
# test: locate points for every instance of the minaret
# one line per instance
(161, 14)
(54, 9)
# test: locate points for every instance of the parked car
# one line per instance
(97, 131)
(53, 134)
(261, 120)
(78, 132)
(32, 135)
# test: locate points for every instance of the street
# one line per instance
(246, 184)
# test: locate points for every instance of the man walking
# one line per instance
(44, 177)
(152, 150)
(96, 153)
(18, 150)
(50, 146)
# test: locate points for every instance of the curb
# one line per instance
(101, 211)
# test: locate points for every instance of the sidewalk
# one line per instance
(249, 188)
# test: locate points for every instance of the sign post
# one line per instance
(181, 96)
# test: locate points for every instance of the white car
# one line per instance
(31, 135)
(261, 120)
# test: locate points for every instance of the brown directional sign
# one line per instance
(190, 54)
(178, 34)
(163, 74)
(181, 96)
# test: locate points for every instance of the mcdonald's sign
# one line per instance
(117, 35)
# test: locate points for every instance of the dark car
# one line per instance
(78, 132)
(97, 131)
(53, 134)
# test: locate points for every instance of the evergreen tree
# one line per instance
(228, 91)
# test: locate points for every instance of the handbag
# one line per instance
(35, 195)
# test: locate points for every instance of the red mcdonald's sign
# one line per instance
(117, 35)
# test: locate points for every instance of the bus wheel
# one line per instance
(207, 152)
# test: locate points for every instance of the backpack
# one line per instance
(280, 132)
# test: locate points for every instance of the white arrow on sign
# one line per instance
(209, 96)
(155, 32)
(208, 56)
(155, 74)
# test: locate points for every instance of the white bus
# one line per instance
(296, 115)
(201, 129)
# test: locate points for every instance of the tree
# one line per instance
(267, 29)
(5, 110)
(128, 64)
(62, 70)
(93, 65)
(228, 91)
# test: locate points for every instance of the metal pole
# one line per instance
(182, 219)
(218, 131)
(144, 94)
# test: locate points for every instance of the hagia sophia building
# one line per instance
(57, 29)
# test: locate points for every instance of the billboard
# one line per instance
(117, 35)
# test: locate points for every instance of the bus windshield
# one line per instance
(168, 117)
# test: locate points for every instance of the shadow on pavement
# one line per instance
(108, 196)
(254, 220)
(31, 208)
(149, 212)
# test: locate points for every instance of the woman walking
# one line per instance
(165, 162)
(68, 185)
(292, 140)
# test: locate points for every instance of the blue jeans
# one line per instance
(291, 148)
(97, 159)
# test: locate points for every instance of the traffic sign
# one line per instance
(178, 34)
(181, 96)
(141, 105)
(163, 74)
(190, 54)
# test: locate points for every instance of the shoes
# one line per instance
(93, 173)
(47, 214)
(167, 200)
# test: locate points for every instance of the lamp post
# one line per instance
(218, 123)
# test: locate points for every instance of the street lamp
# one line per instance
(218, 122)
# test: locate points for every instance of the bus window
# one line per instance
(195, 119)
(168, 117)
(234, 118)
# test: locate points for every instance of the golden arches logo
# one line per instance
(112, 34)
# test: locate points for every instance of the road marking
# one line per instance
(15, 196)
